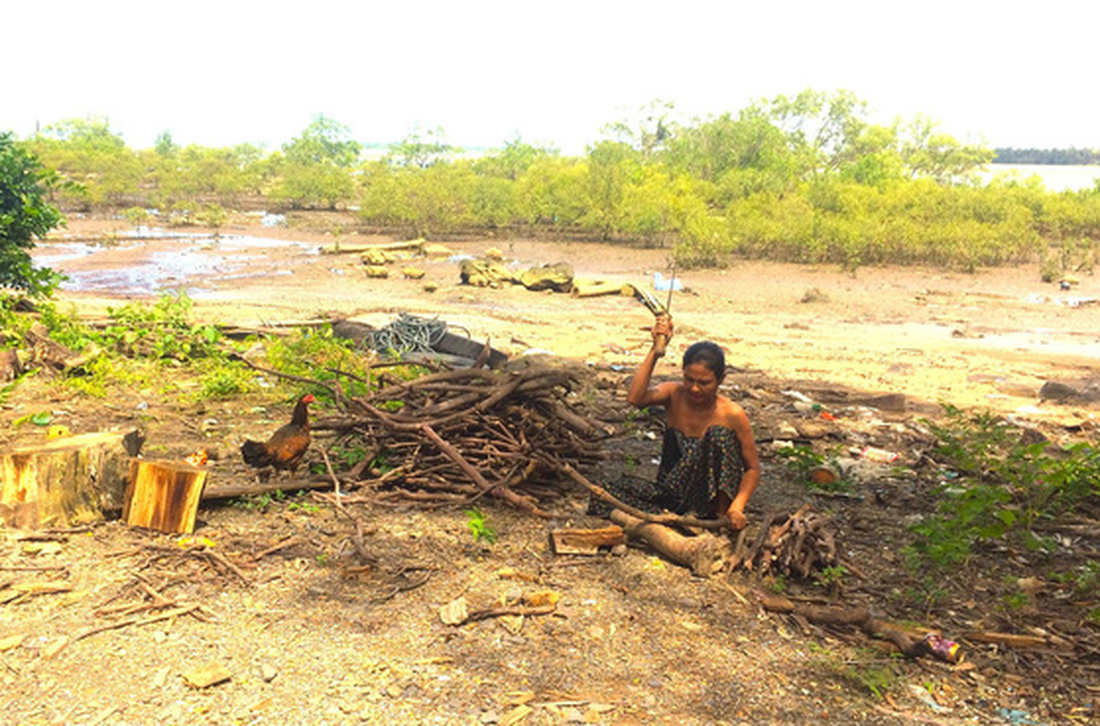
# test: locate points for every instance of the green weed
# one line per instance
(161, 330)
(479, 527)
(259, 502)
(831, 578)
(801, 461)
(226, 380)
(319, 355)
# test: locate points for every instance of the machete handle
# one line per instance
(660, 341)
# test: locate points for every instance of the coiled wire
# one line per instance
(408, 334)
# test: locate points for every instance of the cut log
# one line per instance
(67, 481)
(163, 495)
(705, 554)
(585, 541)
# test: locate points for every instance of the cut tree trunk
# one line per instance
(705, 554)
(67, 481)
(163, 495)
(585, 541)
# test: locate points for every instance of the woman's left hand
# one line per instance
(737, 518)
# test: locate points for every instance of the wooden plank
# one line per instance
(163, 495)
(66, 481)
(585, 541)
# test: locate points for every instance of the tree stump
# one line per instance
(66, 481)
(163, 495)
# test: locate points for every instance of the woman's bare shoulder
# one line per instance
(730, 411)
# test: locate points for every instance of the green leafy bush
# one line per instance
(1003, 486)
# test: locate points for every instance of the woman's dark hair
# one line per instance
(709, 354)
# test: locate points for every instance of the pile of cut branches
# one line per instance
(457, 435)
(791, 545)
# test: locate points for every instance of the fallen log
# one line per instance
(235, 491)
(66, 481)
(705, 554)
(909, 642)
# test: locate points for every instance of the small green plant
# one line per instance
(878, 679)
(214, 216)
(41, 418)
(259, 502)
(630, 464)
(831, 578)
(348, 456)
(1085, 580)
(479, 527)
(802, 461)
(632, 416)
(865, 670)
(1016, 600)
(929, 592)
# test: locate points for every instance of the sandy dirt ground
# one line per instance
(989, 339)
(306, 638)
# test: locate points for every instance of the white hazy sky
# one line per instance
(221, 73)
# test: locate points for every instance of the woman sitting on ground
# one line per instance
(709, 465)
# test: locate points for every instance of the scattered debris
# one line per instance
(586, 541)
(207, 675)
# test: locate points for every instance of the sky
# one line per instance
(549, 73)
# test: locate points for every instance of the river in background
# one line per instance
(1055, 177)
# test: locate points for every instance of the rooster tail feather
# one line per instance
(255, 453)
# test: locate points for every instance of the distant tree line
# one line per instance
(1046, 156)
(805, 178)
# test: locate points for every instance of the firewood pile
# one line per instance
(454, 435)
(794, 545)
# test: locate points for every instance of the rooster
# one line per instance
(286, 447)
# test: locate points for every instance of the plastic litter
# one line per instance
(662, 283)
(942, 648)
(880, 455)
